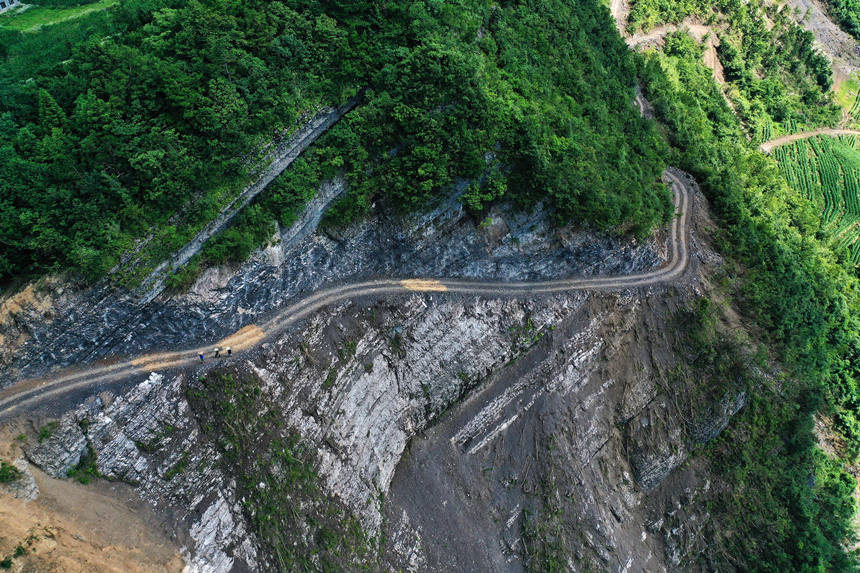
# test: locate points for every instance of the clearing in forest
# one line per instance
(827, 171)
(35, 17)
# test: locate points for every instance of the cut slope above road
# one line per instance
(30, 392)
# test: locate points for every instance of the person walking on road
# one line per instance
(201, 357)
(229, 351)
(217, 351)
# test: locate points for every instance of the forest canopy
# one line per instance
(111, 124)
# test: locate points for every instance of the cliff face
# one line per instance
(59, 323)
(424, 432)
(445, 426)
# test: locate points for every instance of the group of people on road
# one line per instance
(217, 352)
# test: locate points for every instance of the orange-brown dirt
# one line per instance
(98, 527)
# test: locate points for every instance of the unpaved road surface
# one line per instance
(769, 146)
(620, 9)
(27, 393)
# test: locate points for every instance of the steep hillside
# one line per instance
(525, 102)
(468, 330)
(441, 432)
(804, 298)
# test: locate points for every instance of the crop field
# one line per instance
(827, 170)
(848, 97)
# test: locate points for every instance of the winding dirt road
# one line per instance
(26, 393)
(769, 146)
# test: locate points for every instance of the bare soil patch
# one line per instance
(101, 526)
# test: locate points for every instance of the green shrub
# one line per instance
(48, 430)
(8, 472)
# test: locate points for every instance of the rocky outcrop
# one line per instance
(62, 451)
(461, 429)
(461, 414)
(148, 438)
(25, 487)
(92, 323)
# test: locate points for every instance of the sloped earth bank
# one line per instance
(102, 527)
(456, 429)
(840, 48)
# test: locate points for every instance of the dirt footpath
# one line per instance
(769, 146)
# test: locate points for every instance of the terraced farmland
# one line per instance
(827, 170)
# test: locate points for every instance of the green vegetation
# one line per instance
(789, 506)
(792, 508)
(848, 98)
(846, 13)
(302, 528)
(155, 443)
(8, 472)
(48, 430)
(178, 468)
(6, 562)
(776, 81)
(530, 102)
(647, 14)
(36, 17)
(827, 172)
(87, 469)
(543, 531)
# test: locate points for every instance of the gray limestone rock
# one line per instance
(62, 449)
(446, 424)
(25, 486)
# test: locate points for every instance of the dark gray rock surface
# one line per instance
(453, 426)
(87, 324)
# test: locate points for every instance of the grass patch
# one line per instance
(156, 441)
(47, 430)
(846, 95)
(86, 469)
(177, 468)
(34, 18)
(8, 472)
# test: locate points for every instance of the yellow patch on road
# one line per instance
(150, 358)
(161, 365)
(244, 338)
(423, 285)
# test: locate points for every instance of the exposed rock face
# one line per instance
(97, 322)
(62, 451)
(25, 486)
(454, 427)
(460, 413)
(148, 437)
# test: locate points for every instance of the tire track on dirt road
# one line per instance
(26, 393)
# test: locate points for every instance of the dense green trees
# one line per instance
(778, 82)
(61, 3)
(159, 106)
